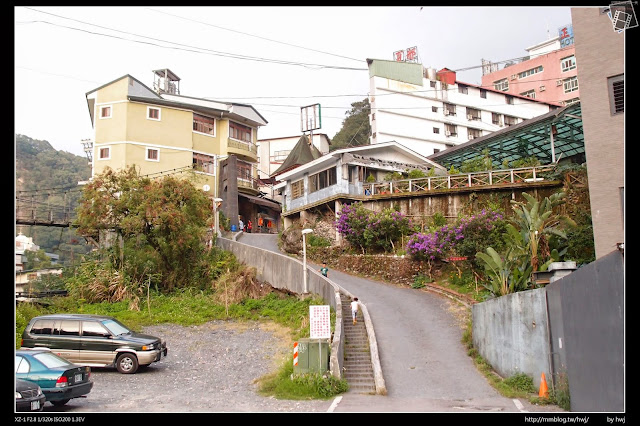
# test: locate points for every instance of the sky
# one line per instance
(277, 59)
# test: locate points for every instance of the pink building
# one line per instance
(549, 75)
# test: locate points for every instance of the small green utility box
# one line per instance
(310, 356)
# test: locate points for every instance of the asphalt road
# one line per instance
(424, 362)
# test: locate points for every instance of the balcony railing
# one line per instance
(245, 146)
(467, 180)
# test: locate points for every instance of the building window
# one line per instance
(202, 124)
(244, 171)
(279, 156)
(450, 130)
(570, 84)
(239, 132)
(449, 109)
(153, 113)
(434, 109)
(152, 154)
(436, 150)
(297, 189)
(105, 111)
(473, 114)
(495, 119)
(502, 85)
(571, 101)
(463, 89)
(529, 72)
(105, 153)
(529, 94)
(432, 84)
(473, 133)
(616, 93)
(508, 100)
(203, 163)
(510, 121)
(323, 179)
(483, 94)
(436, 130)
(568, 64)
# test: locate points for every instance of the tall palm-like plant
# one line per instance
(536, 221)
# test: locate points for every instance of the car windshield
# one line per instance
(115, 327)
(51, 360)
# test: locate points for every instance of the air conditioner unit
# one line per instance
(446, 112)
(469, 117)
(542, 88)
(513, 76)
(559, 83)
(447, 133)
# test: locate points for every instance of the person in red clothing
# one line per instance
(249, 226)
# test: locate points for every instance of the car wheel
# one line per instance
(60, 403)
(127, 363)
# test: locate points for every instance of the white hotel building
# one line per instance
(429, 111)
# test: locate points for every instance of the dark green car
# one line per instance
(94, 341)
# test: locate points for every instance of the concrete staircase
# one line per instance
(358, 370)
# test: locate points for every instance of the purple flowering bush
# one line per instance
(469, 235)
(369, 230)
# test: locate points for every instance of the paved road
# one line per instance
(424, 363)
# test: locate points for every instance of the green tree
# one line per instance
(160, 224)
(37, 260)
(355, 129)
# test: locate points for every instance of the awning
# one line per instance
(262, 201)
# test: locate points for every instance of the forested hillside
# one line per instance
(39, 166)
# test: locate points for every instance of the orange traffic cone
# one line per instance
(544, 391)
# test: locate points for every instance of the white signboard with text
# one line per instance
(320, 321)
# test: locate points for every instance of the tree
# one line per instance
(355, 128)
(160, 224)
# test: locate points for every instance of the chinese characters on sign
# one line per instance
(410, 55)
(566, 35)
(320, 322)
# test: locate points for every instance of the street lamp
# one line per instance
(215, 215)
(304, 257)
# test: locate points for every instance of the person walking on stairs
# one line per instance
(354, 310)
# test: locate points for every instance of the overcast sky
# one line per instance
(277, 59)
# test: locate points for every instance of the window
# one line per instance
(495, 119)
(297, 189)
(473, 133)
(434, 109)
(152, 154)
(568, 64)
(280, 156)
(508, 100)
(473, 114)
(531, 71)
(571, 101)
(94, 329)
(323, 179)
(436, 150)
(510, 121)
(432, 84)
(570, 84)
(203, 163)
(502, 85)
(450, 130)
(616, 93)
(240, 132)
(449, 109)
(105, 153)
(529, 94)
(70, 328)
(483, 94)
(463, 89)
(105, 111)
(153, 113)
(203, 124)
(436, 130)
(244, 171)
(42, 327)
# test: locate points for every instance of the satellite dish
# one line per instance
(206, 188)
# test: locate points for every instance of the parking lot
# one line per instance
(209, 368)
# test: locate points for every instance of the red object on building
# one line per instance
(446, 75)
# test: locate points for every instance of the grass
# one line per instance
(288, 314)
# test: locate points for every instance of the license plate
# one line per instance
(35, 405)
(78, 378)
